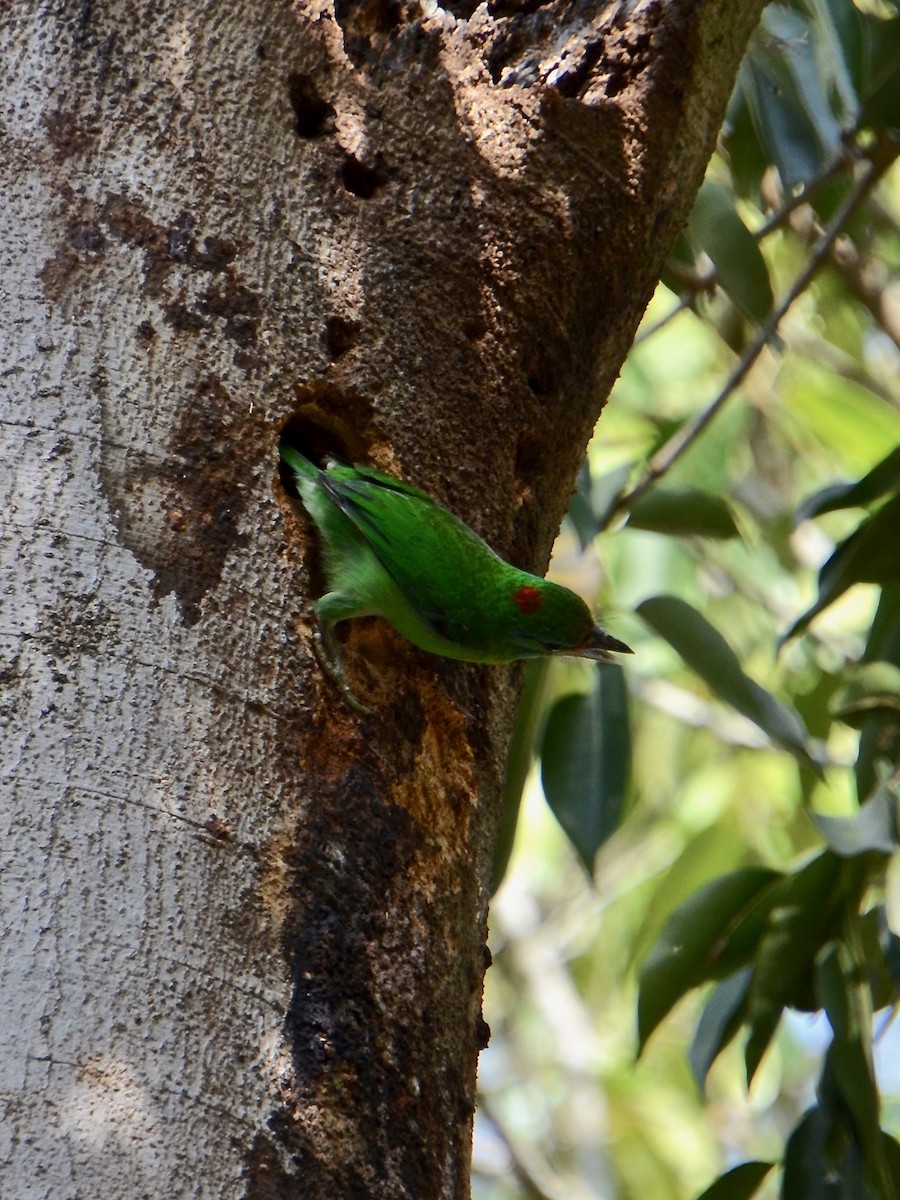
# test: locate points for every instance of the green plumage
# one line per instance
(391, 551)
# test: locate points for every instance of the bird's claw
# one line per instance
(329, 660)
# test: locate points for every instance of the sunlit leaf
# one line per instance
(741, 269)
(683, 512)
(787, 99)
(740, 1183)
(873, 829)
(705, 650)
(871, 688)
(693, 944)
(585, 762)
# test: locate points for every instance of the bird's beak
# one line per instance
(598, 644)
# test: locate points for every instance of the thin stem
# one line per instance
(681, 442)
(684, 301)
(525, 1173)
(841, 162)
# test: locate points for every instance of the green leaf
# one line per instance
(740, 267)
(705, 857)
(593, 499)
(683, 512)
(871, 554)
(891, 1151)
(719, 1022)
(881, 951)
(799, 919)
(883, 478)
(808, 1173)
(746, 158)
(705, 650)
(787, 99)
(873, 828)
(882, 107)
(873, 688)
(838, 31)
(697, 942)
(842, 988)
(792, 40)
(879, 740)
(585, 762)
(740, 1183)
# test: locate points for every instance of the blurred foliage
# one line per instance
(697, 962)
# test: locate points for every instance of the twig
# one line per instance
(680, 442)
(684, 301)
(843, 160)
(708, 280)
(525, 1173)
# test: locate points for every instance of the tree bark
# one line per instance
(244, 930)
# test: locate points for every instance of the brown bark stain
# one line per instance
(376, 934)
(178, 516)
(348, 946)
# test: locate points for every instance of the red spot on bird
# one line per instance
(528, 599)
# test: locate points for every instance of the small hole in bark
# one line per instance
(361, 180)
(340, 336)
(462, 9)
(529, 455)
(314, 116)
(539, 375)
(330, 422)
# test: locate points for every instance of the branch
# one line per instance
(695, 284)
(681, 441)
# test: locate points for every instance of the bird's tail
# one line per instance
(302, 467)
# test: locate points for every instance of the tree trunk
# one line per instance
(243, 928)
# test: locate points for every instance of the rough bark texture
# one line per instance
(243, 932)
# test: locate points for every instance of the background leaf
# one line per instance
(683, 512)
(705, 650)
(690, 949)
(740, 267)
(740, 1183)
(585, 759)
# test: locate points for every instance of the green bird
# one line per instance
(391, 551)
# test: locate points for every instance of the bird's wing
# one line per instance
(424, 548)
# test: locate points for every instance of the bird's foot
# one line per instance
(328, 657)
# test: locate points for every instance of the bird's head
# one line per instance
(551, 619)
